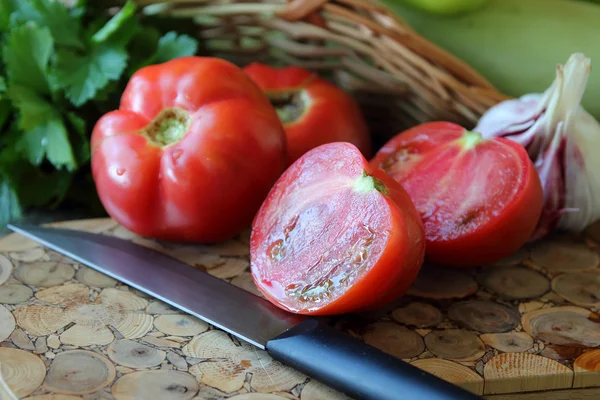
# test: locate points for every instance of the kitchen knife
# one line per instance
(305, 344)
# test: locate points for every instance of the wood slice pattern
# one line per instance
(557, 256)
(79, 372)
(455, 344)
(509, 342)
(420, 315)
(158, 384)
(21, 371)
(514, 282)
(581, 288)
(7, 323)
(530, 322)
(523, 372)
(394, 339)
(6, 269)
(452, 372)
(571, 326)
(587, 368)
(484, 316)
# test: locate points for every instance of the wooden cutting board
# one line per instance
(526, 328)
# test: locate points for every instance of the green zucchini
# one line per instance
(516, 44)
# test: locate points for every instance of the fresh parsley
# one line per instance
(63, 64)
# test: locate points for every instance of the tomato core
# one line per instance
(470, 139)
(367, 182)
(169, 127)
(290, 105)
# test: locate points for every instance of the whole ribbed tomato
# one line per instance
(191, 152)
(479, 199)
(313, 110)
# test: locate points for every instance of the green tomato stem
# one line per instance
(470, 139)
(169, 127)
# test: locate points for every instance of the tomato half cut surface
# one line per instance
(335, 235)
(479, 200)
(403, 151)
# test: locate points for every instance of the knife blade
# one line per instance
(307, 344)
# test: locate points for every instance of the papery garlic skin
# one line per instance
(563, 141)
(582, 172)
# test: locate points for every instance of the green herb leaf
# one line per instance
(26, 54)
(172, 46)
(10, 208)
(79, 141)
(120, 19)
(37, 188)
(33, 108)
(55, 15)
(5, 111)
(6, 8)
(49, 139)
(2, 85)
(83, 76)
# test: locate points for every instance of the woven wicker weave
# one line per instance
(399, 78)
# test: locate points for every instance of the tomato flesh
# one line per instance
(479, 200)
(335, 235)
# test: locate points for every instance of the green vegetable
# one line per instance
(512, 42)
(61, 68)
(444, 7)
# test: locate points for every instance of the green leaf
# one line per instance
(64, 26)
(58, 147)
(37, 188)
(119, 20)
(172, 46)
(50, 140)
(33, 108)
(2, 85)
(83, 76)
(6, 9)
(79, 141)
(32, 145)
(10, 208)
(5, 111)
(26, 54)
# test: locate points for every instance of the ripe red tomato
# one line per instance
(312, 110)
(479, 199)
(191, 152)
(335, 235)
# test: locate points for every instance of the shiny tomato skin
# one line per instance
(332, 115)
(326, 242)
(206, 186)
(479, 201)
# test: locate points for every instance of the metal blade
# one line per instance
(219, 303)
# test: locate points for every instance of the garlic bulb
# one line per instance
(562, 139)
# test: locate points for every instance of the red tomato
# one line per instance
(313, 110)
(335, 235)
(479, 200)
(190, 154)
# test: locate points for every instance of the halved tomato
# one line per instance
(479, 199)
(335, 235)
(402, 151)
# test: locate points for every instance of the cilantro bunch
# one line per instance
(62, 66)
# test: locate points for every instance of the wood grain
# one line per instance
(526, 327)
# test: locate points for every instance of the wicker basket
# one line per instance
(399, 78)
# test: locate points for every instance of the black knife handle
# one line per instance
(356, 368)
